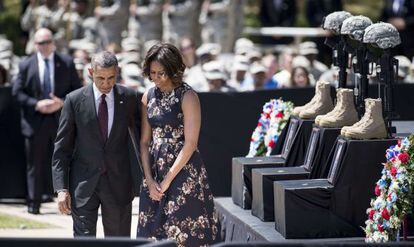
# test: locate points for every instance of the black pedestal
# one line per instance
(241, 189)
(262, 185)
(320, 143)
(336, 206)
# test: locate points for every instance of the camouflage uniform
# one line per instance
(39, 17)
(113, 21)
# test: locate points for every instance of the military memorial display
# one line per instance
(326, 194)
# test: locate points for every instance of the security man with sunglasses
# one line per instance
(40, 87)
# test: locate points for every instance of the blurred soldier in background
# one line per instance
(47, 15)
(148, 17)
(178, 20)
(400, 13)
(214, 20)
(112, 18)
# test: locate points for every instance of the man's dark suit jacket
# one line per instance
(28, 90)
(80, 153)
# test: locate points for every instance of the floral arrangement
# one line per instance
(394, 194)
(273, 119)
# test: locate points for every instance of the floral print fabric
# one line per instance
(186, 212)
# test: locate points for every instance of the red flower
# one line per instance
(380, 228)
(371, 214)
(271, 143)
(377, 191)
(399, 143)
(279, 115)
(403, 157)
(393, 171)
(385, 214)
(259, 124)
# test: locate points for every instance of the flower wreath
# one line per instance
(394, 194)
(273, 119)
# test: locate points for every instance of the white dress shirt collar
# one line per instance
(51, 57)
(98, 94)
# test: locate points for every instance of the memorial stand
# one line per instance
(332, 207)
(298, 131)
(320, 144)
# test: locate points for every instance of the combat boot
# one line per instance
(346, 128)
(320, 117)
(373, 126)
(296, 111)
(344, 112)
(322, 105)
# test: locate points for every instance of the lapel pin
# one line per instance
(121, 102)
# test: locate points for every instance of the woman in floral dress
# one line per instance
(175, 199)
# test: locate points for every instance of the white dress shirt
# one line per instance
(42, 65)
(109, 102)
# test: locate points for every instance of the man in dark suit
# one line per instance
(43, 81)
(278, 13)
(92, 165)
(400, 13)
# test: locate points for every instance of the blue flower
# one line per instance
(386, 224)
(404, 189)
(394, 197)
(382, 183)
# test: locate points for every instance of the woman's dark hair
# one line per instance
(3, 75)
(294, 70)
(170, 58)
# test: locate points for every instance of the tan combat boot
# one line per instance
(320, 117)
(344, 112)
(373, 126)
(363, 119)
(296, 111)
(323, 104)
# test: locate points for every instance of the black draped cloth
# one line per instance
(12, 156)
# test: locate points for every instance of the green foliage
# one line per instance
(10, 24)
(12, 222)
(369, 8)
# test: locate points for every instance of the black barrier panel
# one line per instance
(12, 157)
(84, 242)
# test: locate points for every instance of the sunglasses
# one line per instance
(44, 42)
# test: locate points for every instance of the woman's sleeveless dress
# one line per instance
(186, 212)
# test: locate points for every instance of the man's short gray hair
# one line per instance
(104, 59)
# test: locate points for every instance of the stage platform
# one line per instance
(239, 225)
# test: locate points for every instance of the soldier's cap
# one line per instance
(308, 48)
(6, 64)
(83, 44)
(257, 68)
(6, 45)
(130, 44)
(254, 53)
(79, 64)
(242, 45)
(382, 34)
(240, 63)
(90, 23)
(6, 55)
(355, 26)
(301, 61)
(213, 70)
(130, 57)
(208, 48)
(132, 74)
(150, 43)
(334, 20)
(403, 65)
